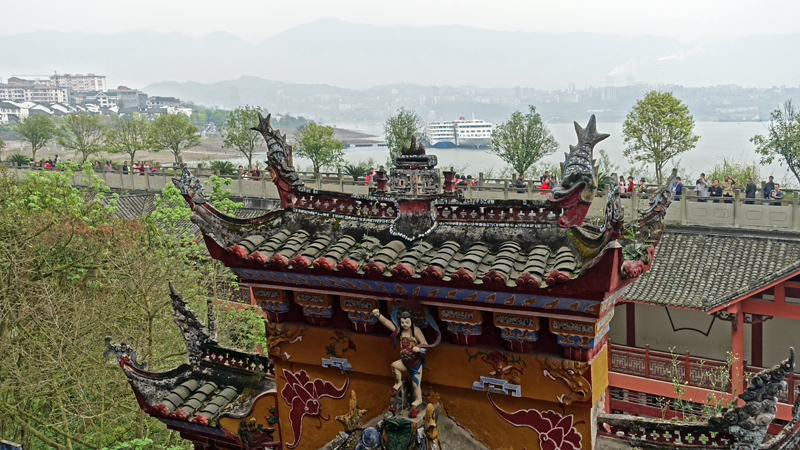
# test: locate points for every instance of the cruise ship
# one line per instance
(458, 133)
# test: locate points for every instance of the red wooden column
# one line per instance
(630, 322)
(737, 347)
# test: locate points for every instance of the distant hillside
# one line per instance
(359, 56)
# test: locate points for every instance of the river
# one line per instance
(717, 140)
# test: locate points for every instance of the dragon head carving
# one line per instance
(578, 167)
(572, 373)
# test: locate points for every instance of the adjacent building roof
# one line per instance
(702, 272)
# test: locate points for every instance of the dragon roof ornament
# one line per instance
(189, 185)
(193, 330)
(279, 152)
(578, 167)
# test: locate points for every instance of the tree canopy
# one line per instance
(317, 143)
(523, 140)
(83, 134)
(172, 132)
(782, 141)
(36, 130)
(400, 128)
(237, 133)
(657, 129)
(128, 135)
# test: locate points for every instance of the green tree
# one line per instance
(605, 167)
(317, 143)
(523, 140)
(237, 132)
(128, 135)
(400, 128)
(172, 132)
(2, 147)
(783, 138)
(36, 130)
(82, 133)
(657, 129)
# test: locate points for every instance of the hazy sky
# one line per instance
(685, 20)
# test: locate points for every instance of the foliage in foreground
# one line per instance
(73, 274)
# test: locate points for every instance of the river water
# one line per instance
(717, 140)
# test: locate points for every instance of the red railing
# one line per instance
(685, 369)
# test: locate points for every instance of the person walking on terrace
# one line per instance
(769, 187)
(728, 184)
(715, 190)
(750, 190)
(777, 194)
(702, 188)
(520, 184)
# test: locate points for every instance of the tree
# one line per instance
(317, 143)
(605, 168)
(657, 129)
(523, 140)
(172, 132)
(237, 133)
(128, 136)
(400, 128)
(783, 138)
(2, 147)
(36, 130)
(82, 133)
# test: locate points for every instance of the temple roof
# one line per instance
(702, 272)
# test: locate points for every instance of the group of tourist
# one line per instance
(139, 167)
(49, 163)
(716, 189)
(546, 181)
(252, 174)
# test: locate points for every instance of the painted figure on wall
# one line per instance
(412, 352)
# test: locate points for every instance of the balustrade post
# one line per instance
(647, 361)
(318, 180)
(530, 190)
(505, 189)
(241, 186)
(687, 370)
(469, 189)
(684, 206)
(794, 211)
(737, 208)
(480, 178)
(790, 387)
(341, 180)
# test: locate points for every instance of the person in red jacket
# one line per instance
(545, 183)
(631, 186)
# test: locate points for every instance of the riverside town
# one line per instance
(315, 232)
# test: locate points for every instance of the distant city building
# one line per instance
(129, 98)
(19, 92)
(153, 102)
(80, 83)
(12, 112)
(17, 80)
(101, 99)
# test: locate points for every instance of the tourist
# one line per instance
(57, 160)
(728, 184)
(715, 190)
(676, 188)
(125, 168)
(777, 194)
(750, 190)
(256, 174)
(50, 162)
(622, 185)
(701, 188)
(153, 169)
(370, 176)
(769, 187)
(520, 184)
(631, 186)
(545, 184)
(47, 165)
(643, 188)
(542, 178)
(109, 168)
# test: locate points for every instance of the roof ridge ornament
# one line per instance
(578, 166)
(279, 156)
(193, 330)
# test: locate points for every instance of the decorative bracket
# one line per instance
(337, 363)
(497, 386)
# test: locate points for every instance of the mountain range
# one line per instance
(350, 55)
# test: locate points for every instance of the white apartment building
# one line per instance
(12, 111)
(79, 82)
(33, 93)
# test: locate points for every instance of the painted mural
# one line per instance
(303, 397)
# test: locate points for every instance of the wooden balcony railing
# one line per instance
(685, 369)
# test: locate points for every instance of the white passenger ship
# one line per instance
(458, 133)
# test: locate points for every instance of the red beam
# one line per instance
(766, 308)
